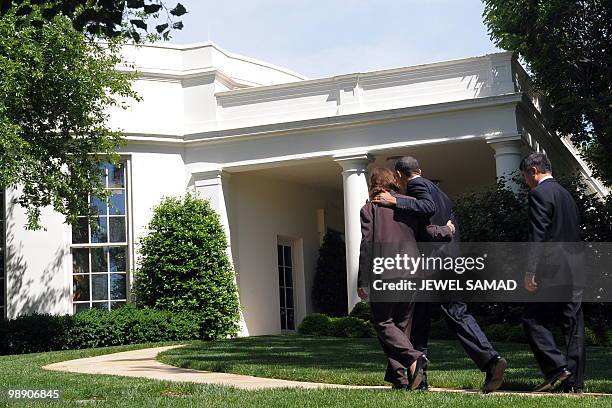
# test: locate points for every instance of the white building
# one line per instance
(282, 158)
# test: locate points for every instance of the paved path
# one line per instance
(143, 364)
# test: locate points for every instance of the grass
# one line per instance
(25, 372)
(361, 362)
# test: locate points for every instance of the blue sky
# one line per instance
(320, 38)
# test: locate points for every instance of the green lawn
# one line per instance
(25, 372)
(360, 361)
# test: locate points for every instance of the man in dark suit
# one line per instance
(432, 203)
(553, 218)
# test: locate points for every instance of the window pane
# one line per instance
(281, 294)
(117, 202)
(115, 305)
(98, 206)
(98, 231)
(281, 276)
(103, 171)
(80, 287)
(80, 260)
(288, 277)
(99, 287)
(117, 259)
(98, 260)
(117, 229)
(118, 286)
(287, 255)
(290, 322)
(116, 176)
(79, 307)
(279, 250)
(80, 232)
(283, 317)
(100, 305)
(289, 292)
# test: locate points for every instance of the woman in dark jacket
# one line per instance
(387, 233)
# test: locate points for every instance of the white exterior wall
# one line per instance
(38, 276)
(152, 176)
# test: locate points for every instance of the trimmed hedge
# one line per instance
(355, 325)
(361, 311)
(318, 324)
(96, 328)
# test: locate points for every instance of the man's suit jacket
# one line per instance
(553, 218)
(430, 202)
(553, 214)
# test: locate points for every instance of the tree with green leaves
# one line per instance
(567, 48)
(329, 287)
(106, 18)
(55, 90)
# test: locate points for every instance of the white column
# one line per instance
(507, 158)
(213, 185)
(354, 175)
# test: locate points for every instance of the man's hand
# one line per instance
(450, 225)
(530, 282)
(385, 198)
(362, 293)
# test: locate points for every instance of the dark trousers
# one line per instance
(392, 322)
(538, 318)
(461, 323)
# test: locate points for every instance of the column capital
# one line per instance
(209, 177)
(507, 157)
(506, 144)
(354, 161)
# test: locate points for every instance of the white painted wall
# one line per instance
(37, 263)
(153, 175)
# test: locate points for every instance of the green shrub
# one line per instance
(130, 325)
(316, 324)
(361, 311)
(439, 330)
(96, 328)
(329, 285)
(34, 333)
(351, 327)
(184, 266)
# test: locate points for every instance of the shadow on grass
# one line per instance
(360, 361)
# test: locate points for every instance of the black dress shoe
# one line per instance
(549, 383)
(424, 385)
(495, 374)
(404, 387)
(417, 376)
(566, 387)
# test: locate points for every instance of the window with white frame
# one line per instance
(99, 251)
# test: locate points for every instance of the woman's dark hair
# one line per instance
(382, 179)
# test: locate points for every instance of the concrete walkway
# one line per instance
(143, 364)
